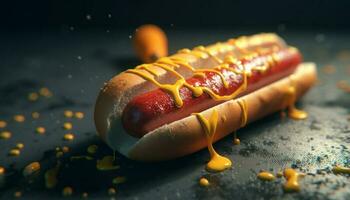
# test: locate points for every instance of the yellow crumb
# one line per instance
(68, 136)
(92, 149)
(2, 170)
(67, 191)
(45, 92)
(31, 169)
(112, 191)
(79, 115)
(236, 141)
(204, 182)
(119, 179)
(65, 149)
(3, 124)
(19, 145)
(266, 176)
(19, 118)
(68, 113)
(17, 194)
(5, 135)
(41, 130)
(59, 154)
(14, 152)
(33, 96)
(35, 115)
(67, 125)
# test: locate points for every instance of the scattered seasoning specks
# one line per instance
(68, 113)
(5, 135)
(31, 169)
(14, 152)
(35, 115)
(3, 124)
(79, 115)
(40, 130)
(68, 136)
(19, 118)
(67, 125)
(33, 96)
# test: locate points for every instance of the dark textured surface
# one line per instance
(74, 65)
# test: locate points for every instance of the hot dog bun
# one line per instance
(122, 88)
(186, 136)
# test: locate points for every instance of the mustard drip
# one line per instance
(236, 140)
(216, 71)
(292, 183)
(244, 117)
(217, 162)
(340, 169)
(243, 104)
(291, 98)
(171, 63)
(266, 176)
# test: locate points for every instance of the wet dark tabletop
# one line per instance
(74, 64)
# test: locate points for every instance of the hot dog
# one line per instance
(157, 111)
(151, 110)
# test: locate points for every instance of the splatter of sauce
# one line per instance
(107, 163)
(266, 176)
(204, 182)
(31, 169)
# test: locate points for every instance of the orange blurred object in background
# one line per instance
(150, 43)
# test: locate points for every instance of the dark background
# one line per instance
(55, 14)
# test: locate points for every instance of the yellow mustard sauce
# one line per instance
(170, 64)
(244, 118)
(217, 162)
(292, 180)
(290, 98)
(204, 182)
(266, 176)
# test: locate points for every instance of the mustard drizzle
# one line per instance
(170, 64)
(217, 162)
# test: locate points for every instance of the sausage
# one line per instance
(153, 109)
